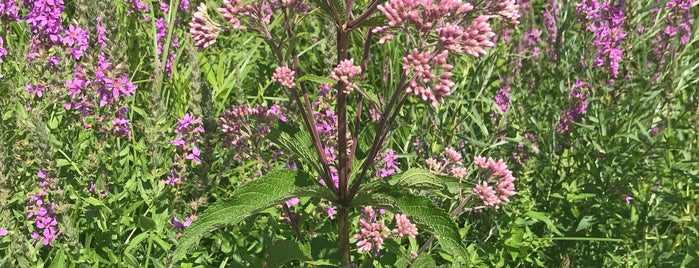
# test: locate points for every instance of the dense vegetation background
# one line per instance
(116, 132)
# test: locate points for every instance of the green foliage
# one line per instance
(250, 198)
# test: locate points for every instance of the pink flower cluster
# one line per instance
(345, 72)
(499, 174)
(451, 163)
(372, 233)
(203, 30)
(404, 227)
(189, 131)
(76, 40)
(284, 76)
(43, 212)
(472, 39)
(232, 10)
(428, 83)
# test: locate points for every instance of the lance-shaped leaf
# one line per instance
(252, 197)
(296, 141)
(284, 251)
(421, 211)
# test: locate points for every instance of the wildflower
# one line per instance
(427, 83)
(9, 9)
(345, 72)
(486, 194)
(498, 172)
(180, 225)
(3, 232)
(605, 21)
(372, 232)
(390, 164)
(577, 108)
(76, 39)
(284, 76)
(203, 30)
(453, 155)
(43, 212)
(232, 10)
(404, 227)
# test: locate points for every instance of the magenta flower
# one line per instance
(76, 39)
(3, 232)
(175, 222)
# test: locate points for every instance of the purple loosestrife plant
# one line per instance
(189, 132)
(577, 107)
(43, 211)
(605, 21)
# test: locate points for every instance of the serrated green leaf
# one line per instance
(250, 198)
(585, 222)
(59, 260)
(417, 178)
(146, 223)
(94, 201)
(426, 215)
(284, 251)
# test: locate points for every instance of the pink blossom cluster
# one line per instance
(284, 76)
(189, 132)
(161, 32)
(245, 127)
(372, 233)
(233, 10)
(345, 72)
(551, 15)
(459, 27)
(451, 163)
(404, 227)
(43, 212)
(138, 6)
(508, 10)
(497, 173)
(431, 75)
(676, 24)
(203, 30)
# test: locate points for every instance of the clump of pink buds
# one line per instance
(499, 173)
(345, 72)
(203, 30)
(284, 76)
